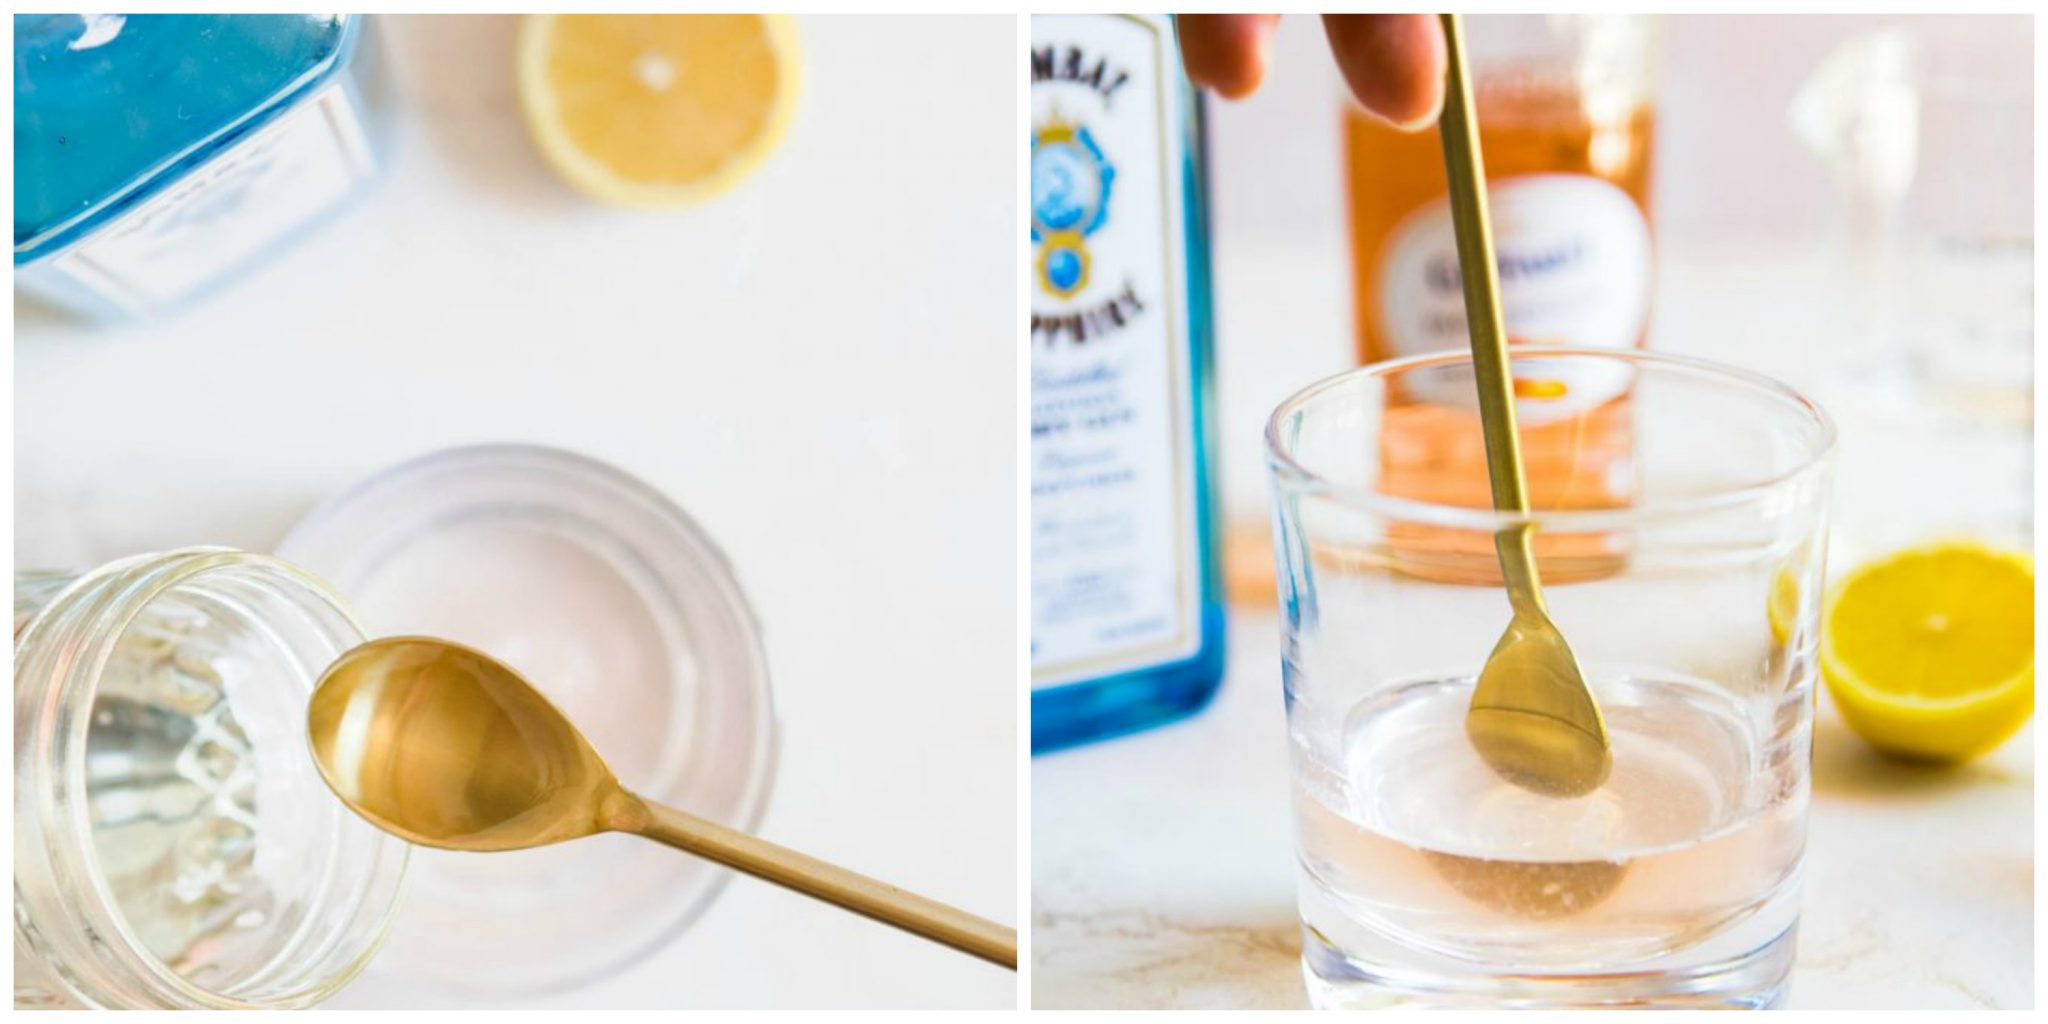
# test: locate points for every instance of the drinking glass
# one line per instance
(1689, 591)
(1927, 130)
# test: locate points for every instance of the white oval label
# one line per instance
(1574, 258)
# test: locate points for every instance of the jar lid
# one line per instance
(617, 607)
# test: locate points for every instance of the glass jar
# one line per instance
(174, 846)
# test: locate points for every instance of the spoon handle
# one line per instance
(1474, 232)
(831, 883)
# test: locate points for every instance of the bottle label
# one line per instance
(1115, 577)
(230, 209)
(1574, 263)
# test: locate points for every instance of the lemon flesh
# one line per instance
(656, 109)
(1929, 652)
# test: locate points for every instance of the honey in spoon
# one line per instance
(428, 742)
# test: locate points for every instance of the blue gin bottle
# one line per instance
(155, 155)
(1126, 609)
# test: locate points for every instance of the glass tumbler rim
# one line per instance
(728, 739)
(1289, 476)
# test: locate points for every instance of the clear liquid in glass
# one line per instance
(1406, 836)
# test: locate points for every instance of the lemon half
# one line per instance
(657, 109)
(1929, 652)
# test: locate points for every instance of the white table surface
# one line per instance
(1163, 863)
(820, 367)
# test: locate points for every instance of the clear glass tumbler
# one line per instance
(1690, 594)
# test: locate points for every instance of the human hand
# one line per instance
(1394, 63)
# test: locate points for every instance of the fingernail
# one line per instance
(1420, 122)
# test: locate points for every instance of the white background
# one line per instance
(819, 367)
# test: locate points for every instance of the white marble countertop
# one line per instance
(1164, 867)
(745, 357)
(1162, 870)
(1163, 863)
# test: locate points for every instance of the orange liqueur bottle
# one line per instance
(1565, 127)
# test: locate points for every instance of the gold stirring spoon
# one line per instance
(1533, 718)
(444, 746)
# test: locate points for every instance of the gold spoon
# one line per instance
(443, 746)
(1532, 718)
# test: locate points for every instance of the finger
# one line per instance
(1394, 64)
(1226, 52)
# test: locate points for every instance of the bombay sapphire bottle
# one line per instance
(155, 155)
(1127, 619)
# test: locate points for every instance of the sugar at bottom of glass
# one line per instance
(1407, 837)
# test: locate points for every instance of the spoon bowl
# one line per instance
(504, 770)
(1532, 717)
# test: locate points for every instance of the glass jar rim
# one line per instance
(1291, 477)
(126, 588)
